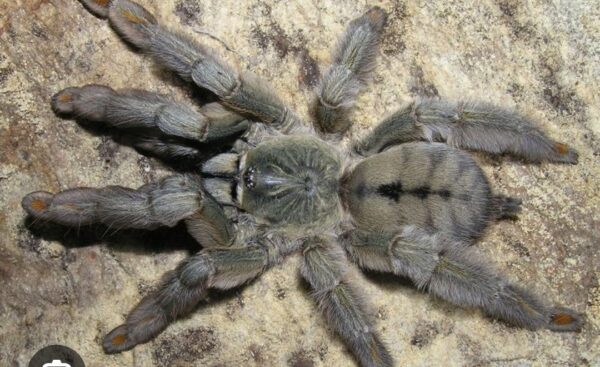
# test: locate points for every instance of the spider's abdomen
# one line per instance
(432, 186)
(291, 181)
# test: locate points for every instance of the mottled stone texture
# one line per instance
(72, 286)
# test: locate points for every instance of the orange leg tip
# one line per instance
(562, 319)
(38, 205)
(102, 2)
(65, 97)
(118, 339)
(561, 148)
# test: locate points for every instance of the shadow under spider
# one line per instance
(162, 239)
(187, 164)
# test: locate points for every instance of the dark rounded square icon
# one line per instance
(56, 356)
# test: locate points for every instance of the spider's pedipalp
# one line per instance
(140, 109)
(474, 126)
(452, 272)
(353, 62)
(325, 268)
(164, 203)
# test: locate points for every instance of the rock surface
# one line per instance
(71, 287)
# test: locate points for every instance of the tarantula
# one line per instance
(403, 200)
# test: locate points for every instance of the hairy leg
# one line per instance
(469, 126)
(452, 272)
(353, 62)
(242, 92)
(165, 147)
(164, 203)
(141, 109)
(325, 268)
(182, 289)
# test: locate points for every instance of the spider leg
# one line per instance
(325, 268)
(450, 271)
(164, 203)
(135, 109)
(243, 92)
(182, 289)
(165, 147)
(474, 126)
(353, 62)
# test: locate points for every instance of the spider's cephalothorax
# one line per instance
(292, 181)
(403, 200)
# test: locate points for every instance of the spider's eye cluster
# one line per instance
(249, 178)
